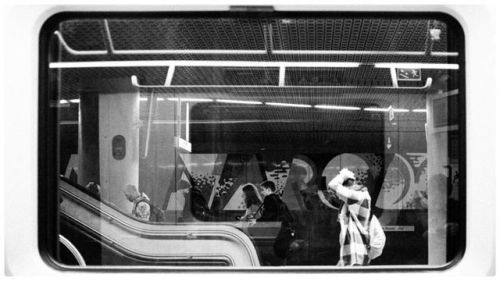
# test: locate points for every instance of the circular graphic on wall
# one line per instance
(301, 168)
(397, 182)
(350, 161)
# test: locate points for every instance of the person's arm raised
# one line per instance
(343, 192)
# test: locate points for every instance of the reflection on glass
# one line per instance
(179, 171)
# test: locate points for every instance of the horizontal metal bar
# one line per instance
(201, 63)
(450, 66)
(263, 64)
(189, 51)
(363, 53)
(135, 83)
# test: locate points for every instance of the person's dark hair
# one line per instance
(348, 182)
(94, 189)
(269, 184)
(251, 197)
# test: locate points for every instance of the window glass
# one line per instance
(222, 140)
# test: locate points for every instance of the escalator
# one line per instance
(104, 235)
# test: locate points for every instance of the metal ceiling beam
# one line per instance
(135, 82)
(362, 53)
(202, 63)
(255, 64)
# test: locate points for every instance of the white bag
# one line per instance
(377, 239)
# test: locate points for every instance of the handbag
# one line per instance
(377, 238)
(374, 239)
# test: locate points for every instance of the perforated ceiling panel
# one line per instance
(196, 34)
(84, 34)
(360, 76)
(357, 34)
(225, 76)
(320, 34)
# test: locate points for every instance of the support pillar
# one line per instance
(118, 140)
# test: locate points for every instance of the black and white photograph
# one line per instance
(256, 139)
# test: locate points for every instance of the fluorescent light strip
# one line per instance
(337, 107)
(452, 66)
(74, 100)
(387, 109)
(289, 104)
(376, 109)
(156, 63)
(238, 101)
(63, 102)
(400, 110)
(191, 99)
(444, 54)
(143, 99)
(421, 110)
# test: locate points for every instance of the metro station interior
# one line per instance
(210, 102)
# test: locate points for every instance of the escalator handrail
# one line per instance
(157, 231)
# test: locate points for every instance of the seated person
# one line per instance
(252, 202)
(142, 208)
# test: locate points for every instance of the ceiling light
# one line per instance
(400, 110)
(376, 109)
(288, 104)
(74, 100)
(338, 107)
(191, 99)
(422, 110)
(239, 101)
(387, 109)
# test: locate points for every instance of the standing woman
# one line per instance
(252, 201)
(353, 218)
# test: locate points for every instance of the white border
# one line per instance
(19, 128)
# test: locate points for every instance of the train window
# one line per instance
(252, 139)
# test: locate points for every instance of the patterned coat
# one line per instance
(354, 222)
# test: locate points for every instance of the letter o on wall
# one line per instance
(119, 147)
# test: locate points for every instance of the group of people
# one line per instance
(353, 217)
(272, 208)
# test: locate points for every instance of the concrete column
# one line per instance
(88, 138)
(118, 140)
(437, 159)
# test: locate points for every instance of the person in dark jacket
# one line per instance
(195, 205)
(275, 209)
(270, 211)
